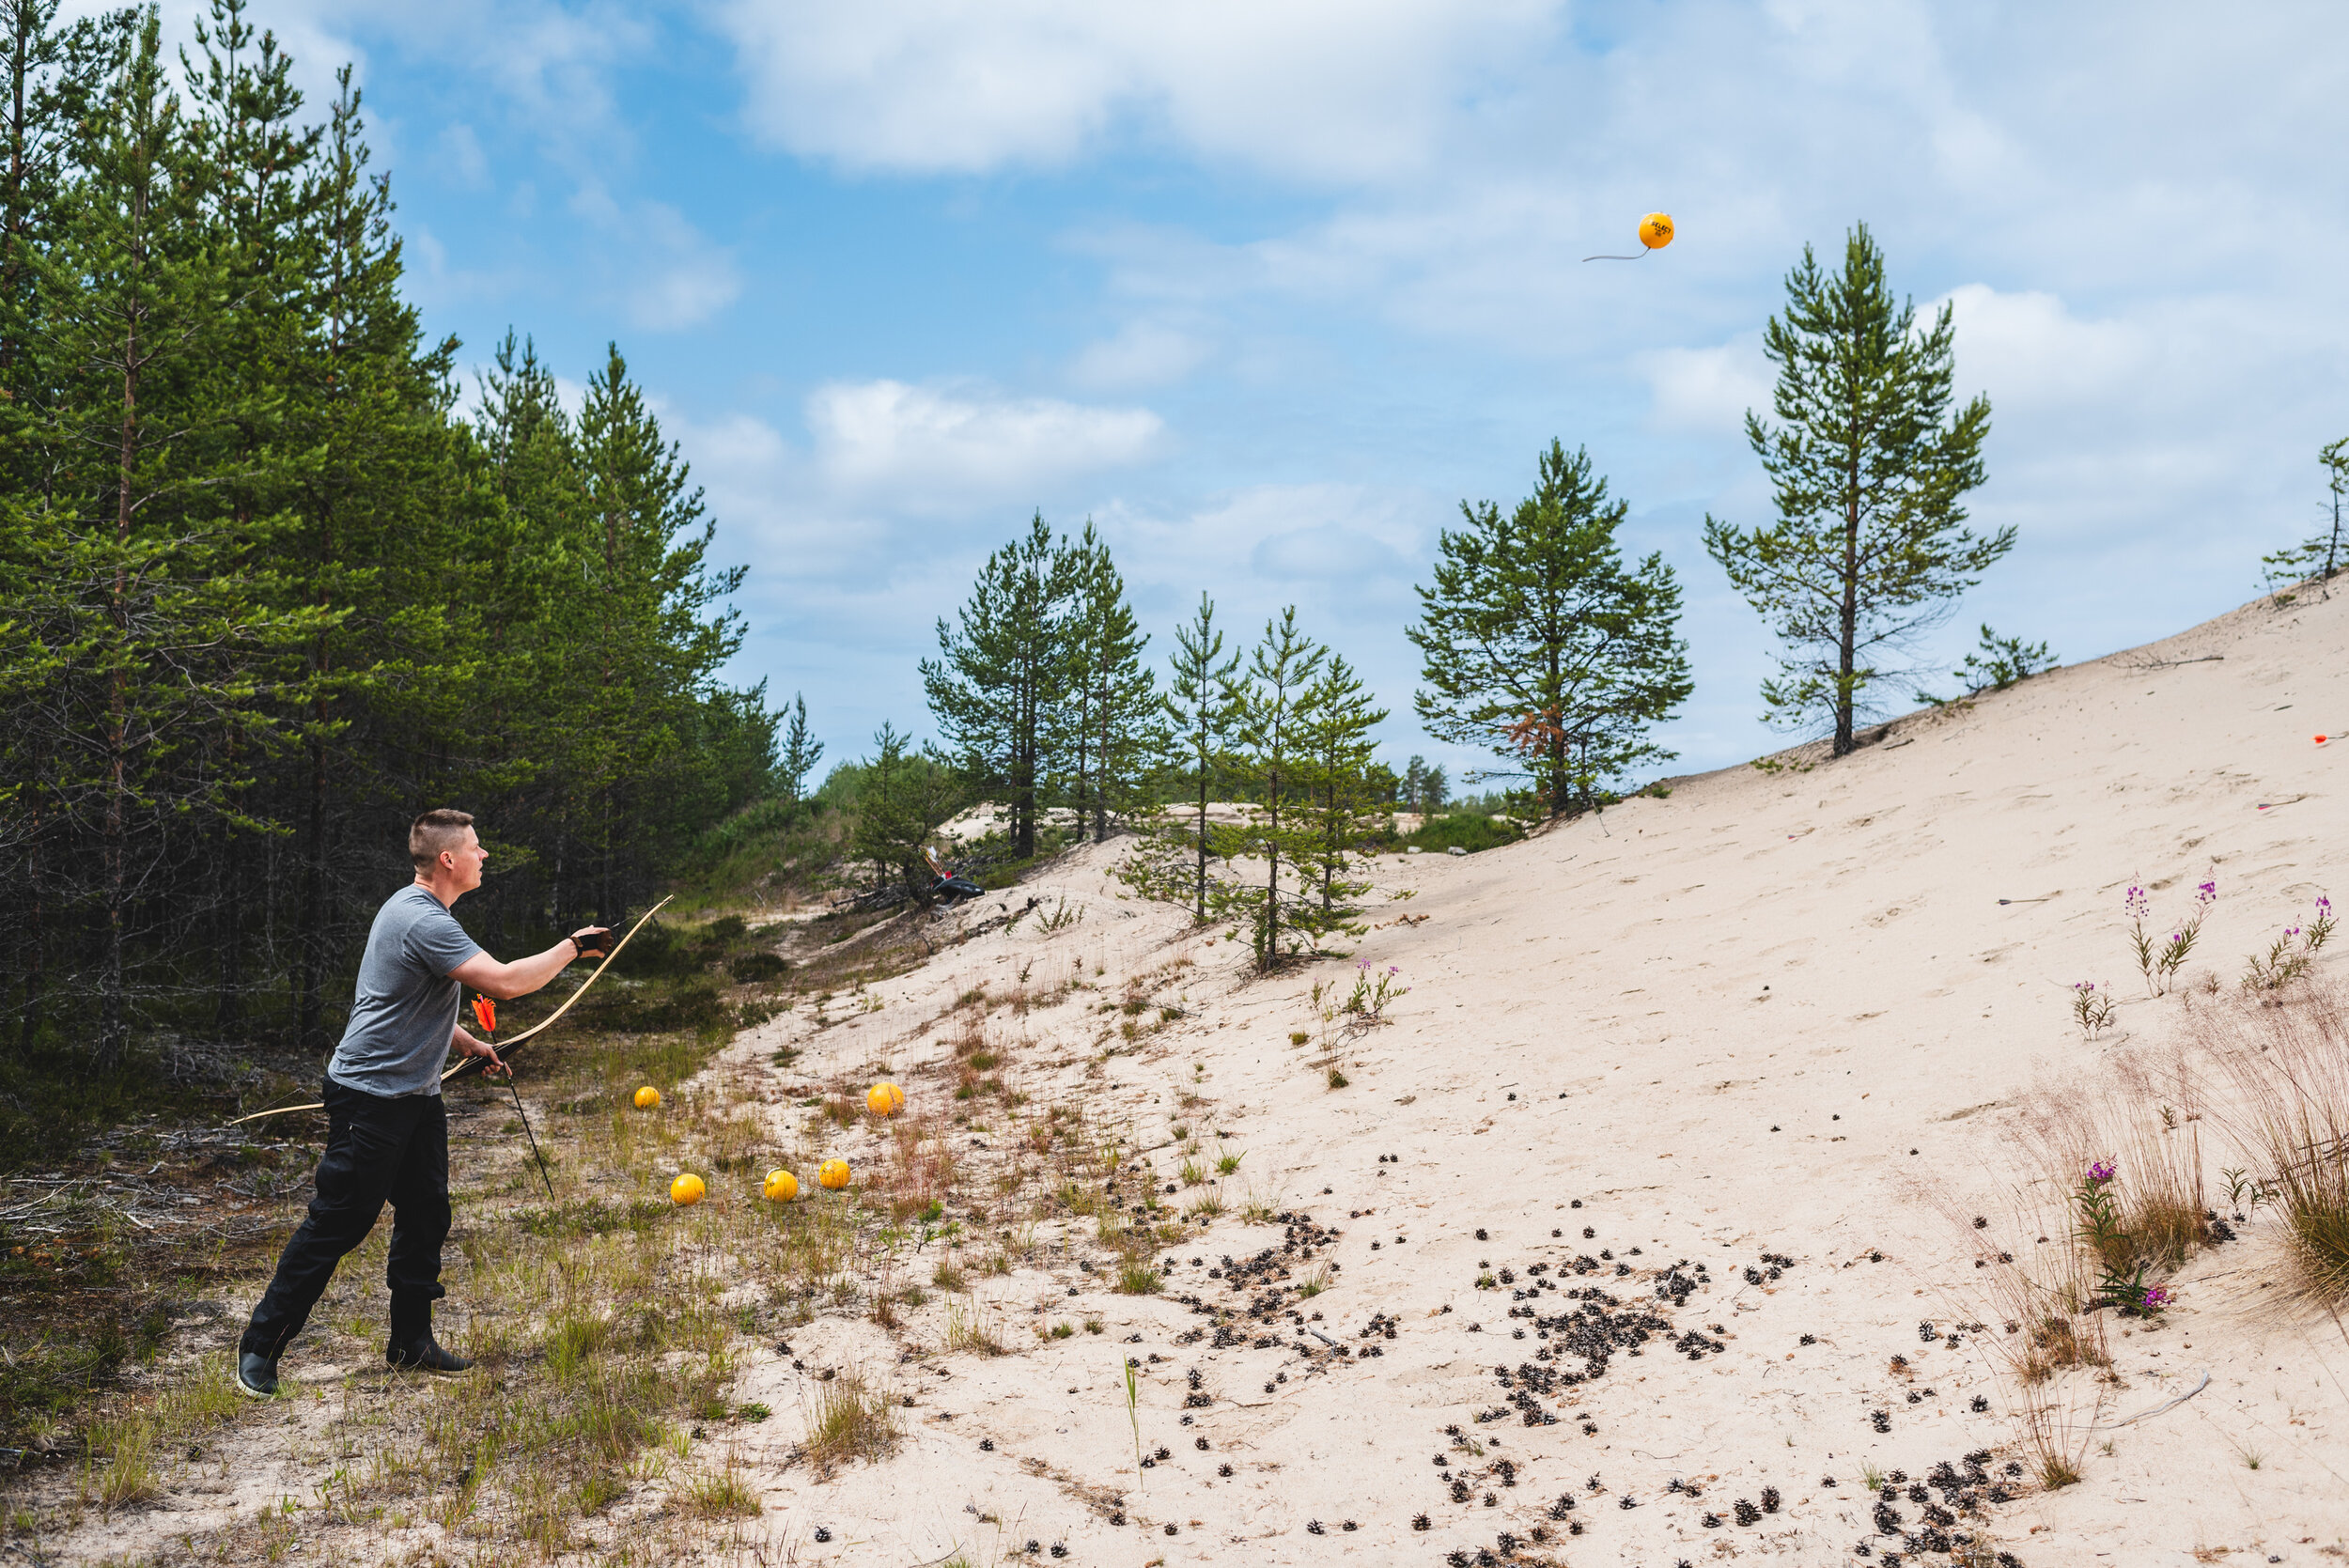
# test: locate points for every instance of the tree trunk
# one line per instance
(113, 1021)
(309, 1007)
(1202, 837)
(229, 999)
(1849, 629)
(35, 936)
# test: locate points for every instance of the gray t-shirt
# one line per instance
(406, 1005)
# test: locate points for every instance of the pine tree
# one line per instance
(1538, 641)
(800, 752)
(261, 202)
(1203, 707)
(998, 686)
(161, 604)
(1112, 707)
(644, 622)
(532, 679)
(384, 518)
(1270, 732)
(904, 795)
(52, 74)
(2324, 555)
(1169, 861)
(1338, 715)
(1868, 465)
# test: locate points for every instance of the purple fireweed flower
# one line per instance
(2102, 1172)
(2157, 1297)
(2205, 892)
(2136, 904)
(2325, 905)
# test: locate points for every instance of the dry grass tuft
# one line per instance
(128, 1449)
(970, 1329)
(2286, 1056)
(848, 1420)
(2142, 1110)
(726, 1494)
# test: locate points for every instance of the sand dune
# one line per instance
(1625, 1215)
(1770, 1016)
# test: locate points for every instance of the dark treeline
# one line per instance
(266, 589)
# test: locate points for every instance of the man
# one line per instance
(386, 1132)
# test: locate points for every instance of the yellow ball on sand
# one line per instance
(884, 1099)
(647, 1098)
(687, 1189)
(781, 1187)
(835, 1173)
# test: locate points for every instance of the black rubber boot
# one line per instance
(256, 1376)
(413, 1348)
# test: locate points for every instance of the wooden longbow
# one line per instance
(475, 1063)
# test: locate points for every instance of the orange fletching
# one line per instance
(484, 1013)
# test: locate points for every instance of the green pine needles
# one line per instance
(1039, 690)
(2321, 557)
(1537, 641)
(1868, 464)
(1288, 736)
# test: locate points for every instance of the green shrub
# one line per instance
(756, 967)
(1469, 830)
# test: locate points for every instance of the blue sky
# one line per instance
(1267, 289)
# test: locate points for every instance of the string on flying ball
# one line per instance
(1656, 232)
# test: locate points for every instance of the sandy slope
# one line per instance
(1753, 1017)
(1769, 1017)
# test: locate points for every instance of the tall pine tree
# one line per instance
(1537, 641)
(1272, 751)
(1339, 714)
(999, 683)
(1112, 707)
(1868, 465)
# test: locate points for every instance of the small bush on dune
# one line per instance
(1471, 831)
(848, 1421)
(2141, 1115)
(2286, 1060)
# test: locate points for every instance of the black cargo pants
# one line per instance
(376, 1149)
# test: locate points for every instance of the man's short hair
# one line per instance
(435, 832)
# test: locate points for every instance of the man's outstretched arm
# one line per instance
(505, 981)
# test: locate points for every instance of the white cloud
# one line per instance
(1140, 353)
(1708, 390)
(1326, 89)
(933, 449)
(666, 272)
(461, 156)
(2031, 352)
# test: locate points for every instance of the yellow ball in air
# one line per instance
(687, 1189)
(647, 1098)
(834, 1175)
(1656, 230)
(884, 1099)
(781, 1187)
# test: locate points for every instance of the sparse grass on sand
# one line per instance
(2286, 1056)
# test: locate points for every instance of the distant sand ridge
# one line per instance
(1752, 1020)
